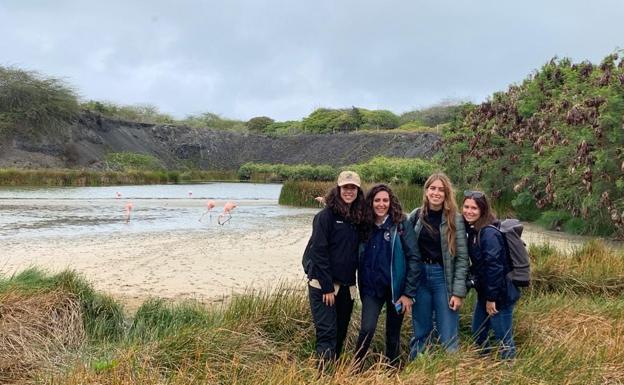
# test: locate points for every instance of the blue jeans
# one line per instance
(432, 300)
(371, 307)
(500, 324)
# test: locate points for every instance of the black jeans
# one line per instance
(371, 308)
(331, 322)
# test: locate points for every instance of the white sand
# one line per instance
(195, 264)
(168, 264)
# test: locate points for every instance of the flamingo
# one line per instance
(128, 210)
(210, 205)
(229, 206)
(118, 195)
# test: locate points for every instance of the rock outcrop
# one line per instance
(87, 141)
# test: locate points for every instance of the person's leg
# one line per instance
(324, 318)
(422, 315)
(394, 321)
(344, 308)
(371, 307)
(447, 320)
(481, 326)
(502, 326)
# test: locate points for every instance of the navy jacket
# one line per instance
(490, 265)
(404, 262)
(331, 255)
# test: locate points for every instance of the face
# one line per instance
(381, 204)
(436, 194)
(348, 193)
(471, 211)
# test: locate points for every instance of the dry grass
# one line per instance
(36, 330)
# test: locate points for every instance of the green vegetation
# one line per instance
(281, 172)
(34, 105)
(65, 177)
(126, 161)
(267, 337)
(555, 141)
(378, 169)
(138, 113)
(445, 112)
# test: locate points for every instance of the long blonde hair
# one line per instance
(449, 208)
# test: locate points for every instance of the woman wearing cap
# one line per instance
(441, 246)
(330, 261)
(496, 294)
(388, 272)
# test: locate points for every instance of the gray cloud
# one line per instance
(286, 58)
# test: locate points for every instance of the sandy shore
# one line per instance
(187, 264)
(169, 264)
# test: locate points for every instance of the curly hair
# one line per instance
(395, 211)
(352, 212)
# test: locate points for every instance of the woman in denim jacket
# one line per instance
(496, 294)
(388, 271)
(441, 247)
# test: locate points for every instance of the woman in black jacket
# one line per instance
(330, 261)
(496, 294)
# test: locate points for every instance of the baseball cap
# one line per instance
(348, 177)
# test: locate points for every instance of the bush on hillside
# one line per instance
(557, 138)
(34, 105)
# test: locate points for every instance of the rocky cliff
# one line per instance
(91, 137)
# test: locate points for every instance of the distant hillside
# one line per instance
(555, 143)
(87, 141)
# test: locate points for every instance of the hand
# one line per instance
(406, 304)
(490, 308)
(456, 302)
(329, 299)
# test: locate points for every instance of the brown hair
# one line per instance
(487, 216)
(449, 208)
(352, 212)
(395, 210)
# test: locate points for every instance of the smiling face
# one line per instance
(348, 193)
(381, 205)
(436, 194)
(471, 211)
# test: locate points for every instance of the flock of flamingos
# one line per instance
(222, 219)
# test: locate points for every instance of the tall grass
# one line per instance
(564, 333)
(70, 177)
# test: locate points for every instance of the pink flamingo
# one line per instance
(118, 195)
(190, 194)
(210, 205)
(229, 206)
(128, 210)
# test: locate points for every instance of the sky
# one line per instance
(286, 58)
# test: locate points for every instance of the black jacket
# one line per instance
(331, 255)
(490, 265)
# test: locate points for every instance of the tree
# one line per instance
(259, 123)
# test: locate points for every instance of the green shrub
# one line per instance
(524, 204)
(126, 161)
(33, 105)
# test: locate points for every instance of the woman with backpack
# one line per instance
(441, 247)
(388, 272)
(330, 261)
(496, 294)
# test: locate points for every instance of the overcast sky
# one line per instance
(284, 59)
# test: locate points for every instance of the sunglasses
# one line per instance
(473, 194)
